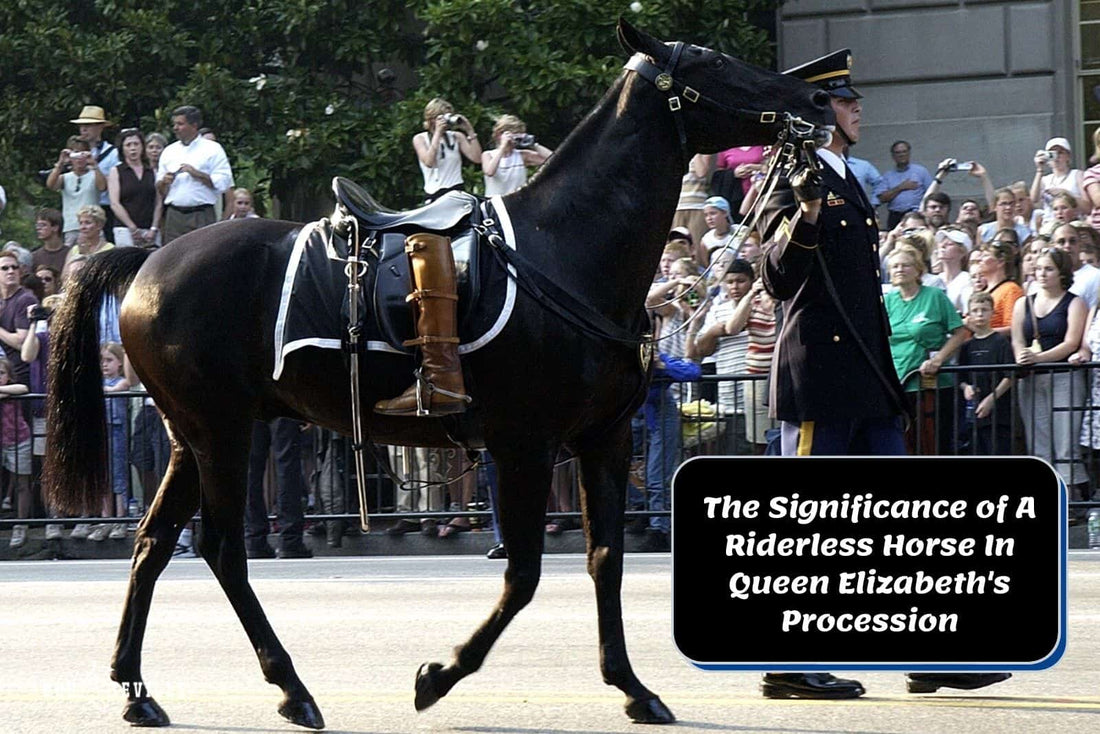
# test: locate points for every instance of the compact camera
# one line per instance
(961, 166)
(523, 140)
(452, 119)
(41, 313)
(1047, 155)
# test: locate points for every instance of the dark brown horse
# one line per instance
(198, 322)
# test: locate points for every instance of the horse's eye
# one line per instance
(718, 62)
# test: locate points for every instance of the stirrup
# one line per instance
(421, 382)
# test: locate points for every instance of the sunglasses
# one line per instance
(6, 268)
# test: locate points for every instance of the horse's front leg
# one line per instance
(605, 465)
(175, 503)
(524, 474)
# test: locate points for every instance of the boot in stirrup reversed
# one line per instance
(439, 389)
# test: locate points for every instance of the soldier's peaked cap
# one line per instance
(832, 72)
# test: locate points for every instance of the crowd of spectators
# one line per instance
(1008, 275)
(1008, 278)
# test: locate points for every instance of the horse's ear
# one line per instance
(635, 41)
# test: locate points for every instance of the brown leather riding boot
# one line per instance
(439, 389)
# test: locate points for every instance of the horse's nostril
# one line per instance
(820, 98)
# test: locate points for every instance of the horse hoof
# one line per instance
(302, 713)
(649, 711)
(426, 693)
(145, 712)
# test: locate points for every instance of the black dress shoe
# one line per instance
(403, 526)
(809, 685)
(932, 682)
(295, 549)
(262, 549)
(497, 551)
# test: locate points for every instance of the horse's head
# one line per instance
(720, 101)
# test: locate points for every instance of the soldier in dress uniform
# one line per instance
(833, 383)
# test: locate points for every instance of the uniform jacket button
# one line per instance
(843, 223)
(836, 338)
(869, 222)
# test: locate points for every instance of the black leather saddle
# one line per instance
(441, 215)
(388, 280)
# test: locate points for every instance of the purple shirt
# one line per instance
(13, 316)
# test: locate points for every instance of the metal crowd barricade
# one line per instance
(1051, 413)
(710, 421)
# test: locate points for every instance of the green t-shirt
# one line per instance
(918, 327)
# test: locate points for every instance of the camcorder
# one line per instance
(961, 166)
(41, 313)
(523, 141)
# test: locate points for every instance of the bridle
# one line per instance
(666, 82)
(796, 143)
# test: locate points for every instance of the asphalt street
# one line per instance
(358, 628)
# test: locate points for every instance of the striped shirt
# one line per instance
(762, 336)
(729, 357)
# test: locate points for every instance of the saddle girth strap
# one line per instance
(422, 293)
(427, 339)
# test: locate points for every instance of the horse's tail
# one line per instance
(75, 477)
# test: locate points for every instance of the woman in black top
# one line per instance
(134, 197)
(1047, 327)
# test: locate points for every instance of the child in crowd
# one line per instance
(1063, 210)
(242, 205)
(716, 211)
(729, 347)
(990, 433)
(111, 359)
(15, 449)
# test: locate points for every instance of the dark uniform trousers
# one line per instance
(282, 435)
(831, 398)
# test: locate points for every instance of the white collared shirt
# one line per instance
(204, 155)
(835, 162)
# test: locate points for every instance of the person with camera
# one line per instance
(932, 194)
(505, 166)
(447, 137)
(1061, 179)
(80, 185)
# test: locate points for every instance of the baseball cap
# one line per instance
(1059, 142)
(957, 236)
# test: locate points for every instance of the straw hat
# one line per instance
(91, 115)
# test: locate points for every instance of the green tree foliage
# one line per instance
(291, 86)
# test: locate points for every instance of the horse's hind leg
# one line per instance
(524, 485)
(604, 469)
(175, 504)
(223, 472)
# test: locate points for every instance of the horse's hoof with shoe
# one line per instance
(649, 711)
(303, 713)
(426, 693)
(145, 712)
